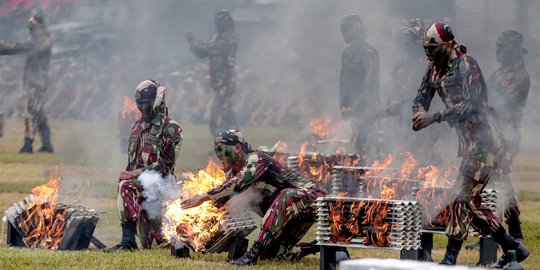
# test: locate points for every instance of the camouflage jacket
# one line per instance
(464, 93)
(38, 57)
(155, 145)
(221, 51)
(509, 88)
(359, 80)
(266, 176)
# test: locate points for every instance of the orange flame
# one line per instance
(320, 127)
(130, 110)
(43, 225)
(195, 226)
(434, 195)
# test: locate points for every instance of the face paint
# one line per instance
(226, 154)
(145, 107)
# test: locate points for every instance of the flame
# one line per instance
(130, 110)
(434, 195)
(320, 127)
(43, 224)
(195, 226)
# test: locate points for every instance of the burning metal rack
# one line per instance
(78, 228)
(230, 238)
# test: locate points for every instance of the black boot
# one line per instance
(507, 242)
(514, 228)
(129, 229)
(251, 257)
(46, 145)
(452, 251)
(27, 147)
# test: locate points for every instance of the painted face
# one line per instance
(145, 107)
(226, 154)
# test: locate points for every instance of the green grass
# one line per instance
(90, 152)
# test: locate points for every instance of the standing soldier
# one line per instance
(287, 199)
(359, 83)
(154, 144)
(457, 78)
(509, 86)
(221, 51)
(36, 72)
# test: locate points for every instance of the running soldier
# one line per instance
(458, 80)
(221, 51)
(154, 144)
(35, 81)
(286, 199)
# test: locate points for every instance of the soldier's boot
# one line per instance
(251, 257)
(46, 145)
(452, 251)
(507, 242)
(129, 230)
(27, 146)
(514, 228)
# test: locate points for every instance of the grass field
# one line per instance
(90, 152)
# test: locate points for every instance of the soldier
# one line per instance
(154, 144)
(221, 51)
(287, 199)
(35, 81)
(509, 86)
(359, 82)
(457, 78)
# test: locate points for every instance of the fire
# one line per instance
(130, 110)
(198, 225)
(43, 225)
(434, 195)
(320, 127)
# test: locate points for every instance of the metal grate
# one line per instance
(78, 228)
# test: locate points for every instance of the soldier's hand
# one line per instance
(421, 120)
(195, 201)
(126, 175)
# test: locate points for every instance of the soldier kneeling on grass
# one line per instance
(287, 198)
(154, 144)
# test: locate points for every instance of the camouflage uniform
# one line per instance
(35, 81)
(221, 51)
(287, 199)
(359, 91)
(509, 86)
(463, 91)
(152, 146)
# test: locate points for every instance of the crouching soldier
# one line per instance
(288, 200)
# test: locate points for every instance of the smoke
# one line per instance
(157, 189)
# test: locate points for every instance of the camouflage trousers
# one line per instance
(364, 140)
(288, 219)
(130, 199)
(467, 208)
(222, 115)
(34, 115)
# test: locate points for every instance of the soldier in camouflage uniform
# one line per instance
(154, 144)
(35, 81)
(221, 51)
(509, 88)
(457, 78)
(359, 83)
(287, 199)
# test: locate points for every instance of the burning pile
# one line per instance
(369, 222)
(42, 222)
(198, 226)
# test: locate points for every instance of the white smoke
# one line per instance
(157, 189)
